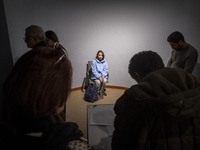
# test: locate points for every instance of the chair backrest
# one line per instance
(87, 80)
(89, 69)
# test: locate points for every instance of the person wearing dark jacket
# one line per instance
(161, 112)
(36, 91)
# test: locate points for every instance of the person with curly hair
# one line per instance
(161, 111)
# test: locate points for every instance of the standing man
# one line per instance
(34, 36)
(183, 55)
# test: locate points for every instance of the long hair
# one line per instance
(37, 86)
(51, 35)
(100, 51)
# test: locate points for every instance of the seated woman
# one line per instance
(36, 91)
(100, 72)
(52, 41)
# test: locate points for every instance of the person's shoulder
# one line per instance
(128, 103)
(192, 48)
(128, 95)
(97, 61)
(105, 61)
(94, 61)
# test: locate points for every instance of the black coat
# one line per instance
(162, 112)
(55, 137)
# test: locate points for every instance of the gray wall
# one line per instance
(119, 28)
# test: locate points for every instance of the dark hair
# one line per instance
(175, 37)
(144, 62)
(51, 35)
(35, 31)
(38, 84)
(100, 51)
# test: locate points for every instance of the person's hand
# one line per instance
(102, 79)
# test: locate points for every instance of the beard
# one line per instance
(178, 48)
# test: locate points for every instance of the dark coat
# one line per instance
(55, 137)
(162, 112)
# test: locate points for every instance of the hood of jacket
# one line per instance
(98, 61)
(172, 91)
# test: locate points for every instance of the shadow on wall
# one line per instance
(6, 61)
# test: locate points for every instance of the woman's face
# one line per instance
(100, 56)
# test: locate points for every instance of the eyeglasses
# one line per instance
(27, 37)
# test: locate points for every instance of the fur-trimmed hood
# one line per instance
(168, 90)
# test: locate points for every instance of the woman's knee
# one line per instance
(97, 83)
(105, 81)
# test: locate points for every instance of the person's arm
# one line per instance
(105, 69)
(191, 61)
(170, 60)
(94, 70)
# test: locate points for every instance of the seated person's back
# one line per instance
(161, 112)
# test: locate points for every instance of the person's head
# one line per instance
(176, 40)
(51, 38)
(100, 55)
(33, 35)
(38, 85)
(144, 63)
